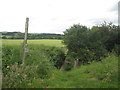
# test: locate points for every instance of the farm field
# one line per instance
(39, 72)
(48, 42)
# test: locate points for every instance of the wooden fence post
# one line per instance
(119, 13)
(25, 41)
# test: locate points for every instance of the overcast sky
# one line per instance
(55, 16)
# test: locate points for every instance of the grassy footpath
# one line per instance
(102, 74)
(96, 75)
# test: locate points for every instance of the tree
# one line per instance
(75, 39)
(85, 45)
(109, 35)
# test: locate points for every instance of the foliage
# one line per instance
(45, 58)
(109, 35)
(102, 74)
(57, 56)
(87, 45)
(19, 35)
(41, 58)
(39, 71)
(18, 76)
(10, 55)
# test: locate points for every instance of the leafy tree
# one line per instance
(56, 55)
(75, 39)
(109, 35)
(86, 45)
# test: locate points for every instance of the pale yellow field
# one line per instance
(48, 42)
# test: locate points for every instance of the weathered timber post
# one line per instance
(76, 63)
(25, 41)
(63, 66)
(119, 13)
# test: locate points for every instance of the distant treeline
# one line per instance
(20, 35)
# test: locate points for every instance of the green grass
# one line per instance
(47, 42)
(102, 74)
(14, 73)
(96, 75)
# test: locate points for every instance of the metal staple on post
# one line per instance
(25, 41)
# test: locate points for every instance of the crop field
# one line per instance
(47, 42)
(39, 72)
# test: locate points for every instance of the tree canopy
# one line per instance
(86, 45)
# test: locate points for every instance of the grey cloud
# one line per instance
(114, 8)
(98, 21)
(72, 19)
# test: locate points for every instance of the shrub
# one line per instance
(44, 69)
(57, 56)
(86, 45)
(19, 76)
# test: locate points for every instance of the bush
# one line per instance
(10, 55)
(86, 45)
(19, 76)
(57, 56)
(44, 69)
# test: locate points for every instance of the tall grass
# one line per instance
(39, 70)
(96, 75)
(37, 63)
